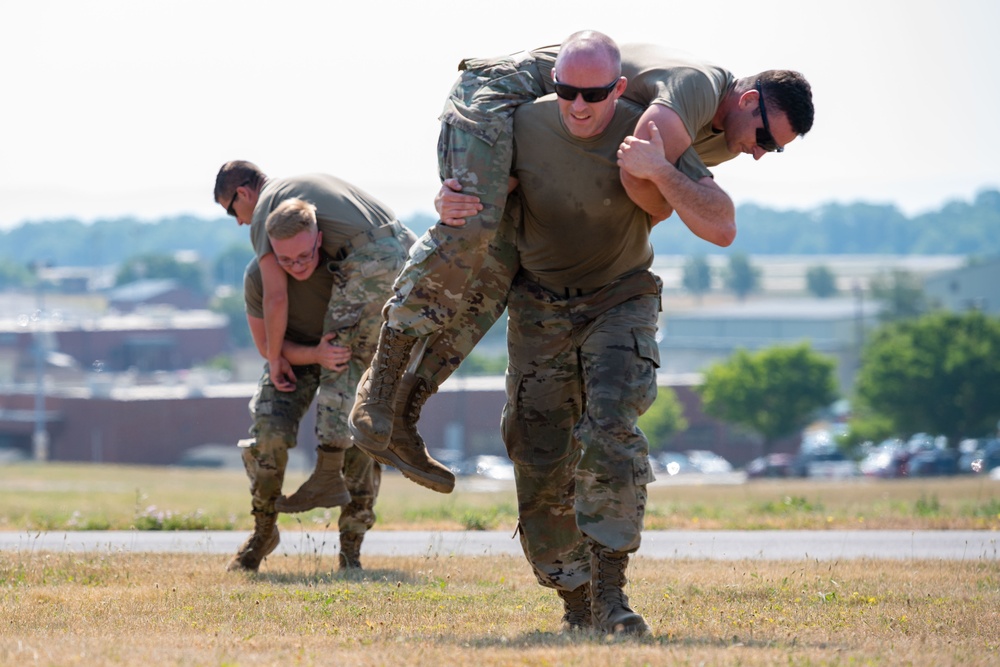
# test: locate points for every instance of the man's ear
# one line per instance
(748, 100)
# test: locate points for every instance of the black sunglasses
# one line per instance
(590, 95)
(236, 193)
(764, 137)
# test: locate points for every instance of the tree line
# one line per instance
(958, 228)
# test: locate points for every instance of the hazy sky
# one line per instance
(129, 107)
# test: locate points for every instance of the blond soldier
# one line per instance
(362, 235)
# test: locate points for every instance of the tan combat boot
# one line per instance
(264, 540)
(407, 452)
(372, 415)
(324, 488)
(609, 605)
(350, 550)
(576, 606)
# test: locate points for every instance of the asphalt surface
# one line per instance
(959, 545)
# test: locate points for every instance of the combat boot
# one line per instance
(407, 452)
(350, 550)
(264, 540)
(609, 606)
(324, 488)
(372, 415)
(576, 607)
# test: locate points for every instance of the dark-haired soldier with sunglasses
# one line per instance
(455, 283)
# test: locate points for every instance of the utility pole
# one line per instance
(40, 437)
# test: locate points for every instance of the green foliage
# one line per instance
(664, 418)
(959, 228)
(483, 364)
(935, 374)
(865, 426)
(901, 294)
(740, 276)
(697, 278)
(821, 281)
(14, 274)
(154, 266)
(772, 392)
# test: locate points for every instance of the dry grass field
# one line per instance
(151, 609)
(114, 608)
(103, 497)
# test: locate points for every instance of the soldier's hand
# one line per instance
(331, 356)
(642, 158)
(282, 375)
(453, 207)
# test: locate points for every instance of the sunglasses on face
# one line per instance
(236, 193)
(590, 95)
(764, 137)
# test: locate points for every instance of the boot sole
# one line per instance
(416, 475)
(282, 505)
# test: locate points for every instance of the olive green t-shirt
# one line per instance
(307, 301)
(342, 210)
(690, 86)
(579, 228)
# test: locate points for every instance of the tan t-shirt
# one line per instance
(580, 229)
(307, 301)
(342, 210)
(690, 86)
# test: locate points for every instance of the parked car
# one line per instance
(983, 459)
(933, 463)
(827, 462)
(887, 460)
(489, 466)
(771, 465)
(12, 455)
(674, 463)
(708, 462)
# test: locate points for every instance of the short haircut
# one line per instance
(593, 41)
(290, 218)
(788, 92)
(234, 174)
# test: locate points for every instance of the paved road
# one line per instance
(707, 545)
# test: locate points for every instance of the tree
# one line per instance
(13, 274)
(664, 418)
(936, 374)
(772, 392)
(821, 281)
(901, 294)
(741, 277)
(144, 267)
(697, 277)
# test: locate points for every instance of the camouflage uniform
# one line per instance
(475, 147)
(276, 416)
(372, 260)
(480, 107)
(581, 371)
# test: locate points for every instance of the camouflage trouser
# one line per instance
(362, 284)
(581, 371)
(475, 146)
(440, 354)
(276, 416)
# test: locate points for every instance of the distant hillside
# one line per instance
(958, 228)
